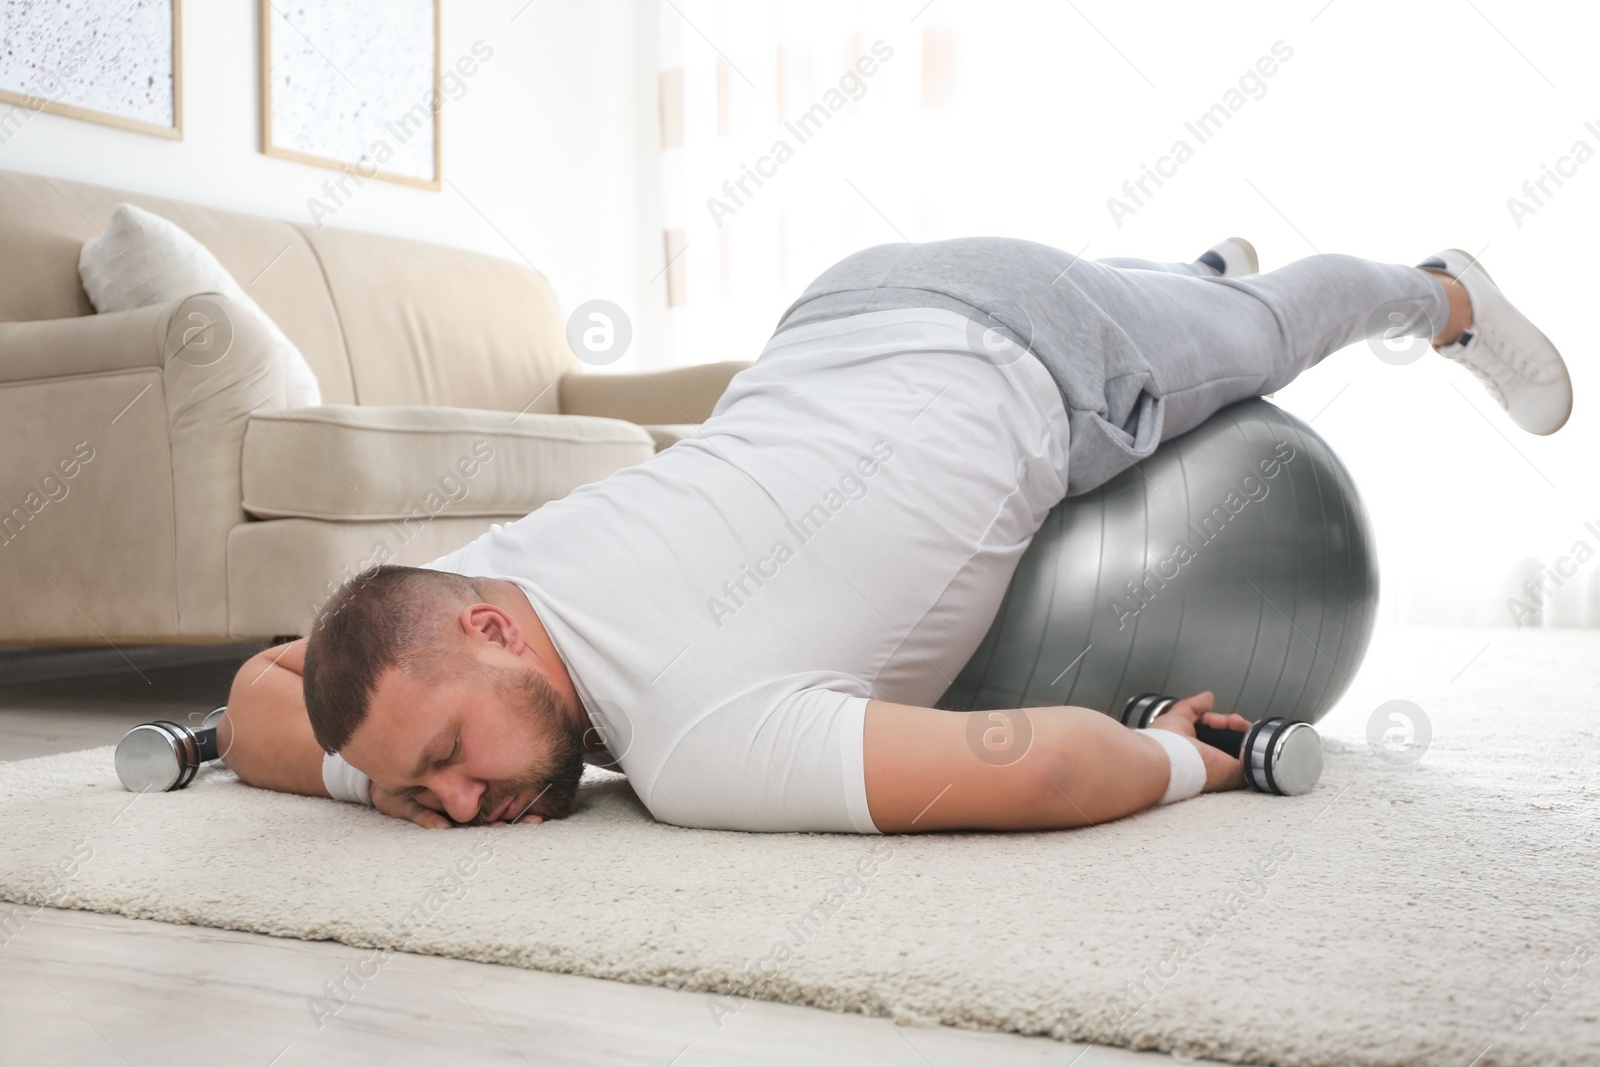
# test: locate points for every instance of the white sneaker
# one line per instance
(1231, 258)
(1517, 364)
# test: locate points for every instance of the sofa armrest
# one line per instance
(682, 395)
(161, 394)
(89, 344)
(196, 332)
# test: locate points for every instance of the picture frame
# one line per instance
(366, 118)
(59, 59)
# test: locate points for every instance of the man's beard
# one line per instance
(553, 780)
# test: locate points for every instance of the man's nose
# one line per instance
(460, 795)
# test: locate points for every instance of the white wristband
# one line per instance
(1187, 777)
(344, 782)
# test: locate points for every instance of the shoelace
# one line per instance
(1509, 359)
(1489, 381)
(1511, 354)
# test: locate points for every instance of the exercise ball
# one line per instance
(1236, 558)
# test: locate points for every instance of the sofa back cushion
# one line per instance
(45, 221)
(427, 324)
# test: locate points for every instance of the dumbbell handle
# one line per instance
(206, 739)
(1142, 710)
(1230, 741)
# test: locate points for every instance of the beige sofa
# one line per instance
(154, 489)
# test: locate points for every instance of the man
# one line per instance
(753, 624)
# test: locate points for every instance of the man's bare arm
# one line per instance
(924, 770)
(266, 738)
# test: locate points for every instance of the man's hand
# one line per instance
(1222, 770)
(407, 807)
(420, 809)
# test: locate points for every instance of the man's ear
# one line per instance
(495, 625)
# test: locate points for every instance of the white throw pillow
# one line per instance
(144, 259)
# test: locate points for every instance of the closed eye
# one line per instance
(453, 756)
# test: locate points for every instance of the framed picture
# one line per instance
(108, 61)
(344, 88)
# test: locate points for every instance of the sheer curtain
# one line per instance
(767, 110)
(793, 133)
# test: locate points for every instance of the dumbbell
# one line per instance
(1282, 756)
(161, 756)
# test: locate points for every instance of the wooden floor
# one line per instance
(82, 988)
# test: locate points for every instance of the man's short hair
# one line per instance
(386, 617)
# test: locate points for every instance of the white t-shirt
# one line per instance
(843, 528)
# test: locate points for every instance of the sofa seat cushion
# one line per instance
(362, 464)
(666, 436)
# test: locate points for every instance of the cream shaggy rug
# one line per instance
(1439, 912)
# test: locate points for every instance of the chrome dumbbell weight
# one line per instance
(160, 756)
(1281, 756)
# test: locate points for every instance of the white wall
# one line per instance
(541, 151)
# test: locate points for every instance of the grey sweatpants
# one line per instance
(1141, 351)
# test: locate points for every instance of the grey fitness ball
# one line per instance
(1236, 558)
